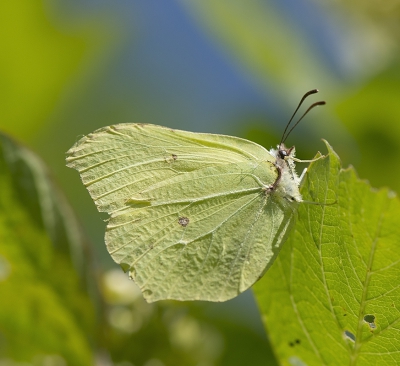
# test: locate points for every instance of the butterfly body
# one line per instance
(288, 181)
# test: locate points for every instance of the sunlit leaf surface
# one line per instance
(332, 296)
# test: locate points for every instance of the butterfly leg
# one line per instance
(273, 186)
(304, 161)
(303, 174)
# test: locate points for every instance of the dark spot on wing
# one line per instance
(170, 159)
(183, 221)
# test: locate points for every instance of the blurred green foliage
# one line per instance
(45, 306)
(373, 113)
(54, 69)
(40, 62)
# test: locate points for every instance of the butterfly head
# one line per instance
(284, 152)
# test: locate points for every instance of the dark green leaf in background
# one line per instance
(45, 310)
(373, 115)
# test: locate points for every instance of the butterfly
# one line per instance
(193, 216)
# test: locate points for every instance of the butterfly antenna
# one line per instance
(313, 91)
(316, 104)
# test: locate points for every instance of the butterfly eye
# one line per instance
(282, 154)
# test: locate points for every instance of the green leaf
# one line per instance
(332, 295)
(45, 308)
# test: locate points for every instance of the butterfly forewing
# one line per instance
(190, 214)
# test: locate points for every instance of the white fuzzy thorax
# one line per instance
(288, 185)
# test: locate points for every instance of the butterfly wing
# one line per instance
(189, 214)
